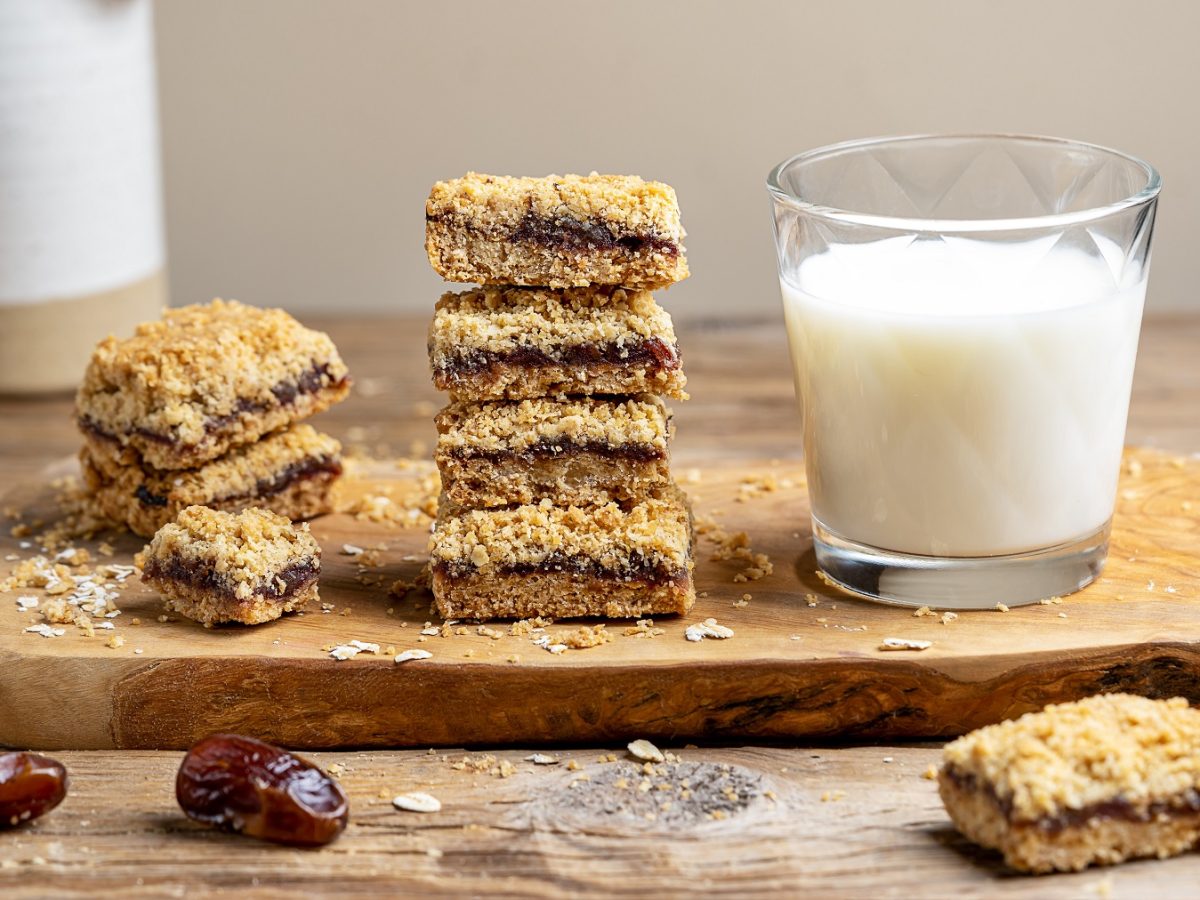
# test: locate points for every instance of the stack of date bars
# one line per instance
(557, 497)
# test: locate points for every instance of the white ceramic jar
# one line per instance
(81, 236)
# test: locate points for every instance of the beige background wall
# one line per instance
(301, 137)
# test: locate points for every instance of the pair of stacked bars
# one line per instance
(201, 409)
(553, 451)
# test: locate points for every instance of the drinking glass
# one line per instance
(963, 315)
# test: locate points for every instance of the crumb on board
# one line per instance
(645, 751)
(408, 655)
(734, 546)
(644, 628)
(417, 801)
(709, 628)
(893, 643)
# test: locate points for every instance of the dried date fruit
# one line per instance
(30, 786)
(247, 786)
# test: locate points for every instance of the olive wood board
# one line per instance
(792, 670)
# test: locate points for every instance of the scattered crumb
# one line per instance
(644, 629)
(904, 644)
(734, 547)
(707, 629)
(542, 759)
(580, 639)
(646, 751)
(930, 773)
(407, 655)
(1000, 607)
(924, 611)
(352, 649)
(948, 617)
(524, 627)
(417, 801)
(46, 631)
(485, 765)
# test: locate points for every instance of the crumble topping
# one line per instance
(197, 364)
(614, 538)
(496, 320)
(1076, 755)
(247, 550)
(626, 204)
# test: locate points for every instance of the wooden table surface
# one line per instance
(837, 821)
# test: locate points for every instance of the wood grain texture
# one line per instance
(841, 823)
(793, 670)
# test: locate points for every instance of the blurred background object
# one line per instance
(81, 243)
(301, 136)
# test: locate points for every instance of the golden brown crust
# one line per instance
(655, 533)
(468, 428)
(208, 608)
(1029, 847)
(558, 595)
(1073, 755)
(557, 231)
(515, 343)
(577, 452)
(238, 565)
(290, 472)
(580, 478)
(185, 389)
(1100, 780)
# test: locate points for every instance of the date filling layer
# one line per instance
(648, 571)
(568, 233)
(201, 575)
(1186, 804)
(286, 393)
(544, 450)
(652, 353)
(265, 487)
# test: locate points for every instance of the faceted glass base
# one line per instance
(981, 582)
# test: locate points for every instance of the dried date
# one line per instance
(30, 786)
(247, 786)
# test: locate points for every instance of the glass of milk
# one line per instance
(963, 316)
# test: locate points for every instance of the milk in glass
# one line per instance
(963, 398)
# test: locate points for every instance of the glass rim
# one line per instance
(919, 224)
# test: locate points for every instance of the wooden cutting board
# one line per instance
(792, 670)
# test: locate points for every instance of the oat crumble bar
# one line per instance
(517, 343)
(1098, 781)
(577, 452)
(203, 379)
(547, 560)
(248, 567)
(557, 231)
(290, 472)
